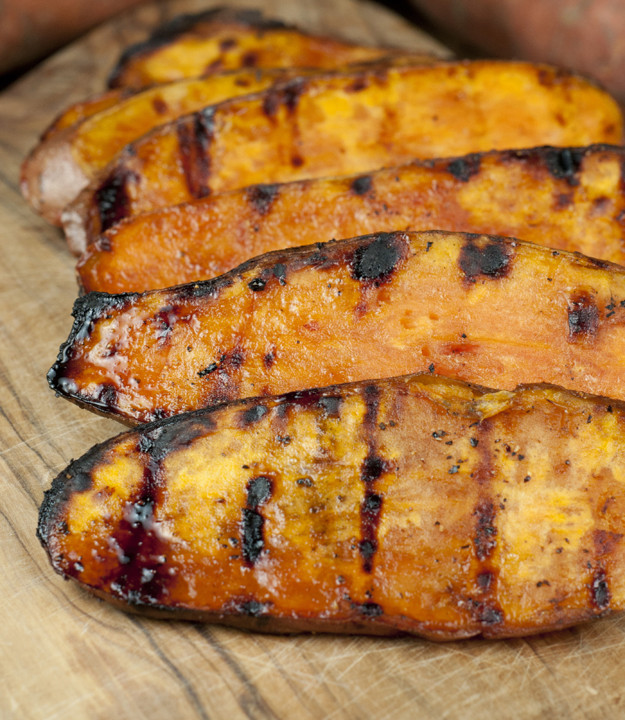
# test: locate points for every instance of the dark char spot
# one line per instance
(491, 260)
(112, 198)
(208, 369)
(253, 414)
(485, 533)
(583, 316)
(261, 197)
(600, 590)
(257, 284)
(370, 609)
(330, 405)
(279, 271)
(564, 163)
(195, 135)
(259, 490)
(362, 185)
(377, 260)
(252, 535)
(464, 168)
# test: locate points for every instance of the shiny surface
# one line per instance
(569, 199)
(483, 309)
(413, 505)
(342, 125)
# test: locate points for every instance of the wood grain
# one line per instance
(64, 654)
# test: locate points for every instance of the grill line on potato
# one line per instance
(410, 505)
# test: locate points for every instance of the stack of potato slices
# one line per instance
(296, 253)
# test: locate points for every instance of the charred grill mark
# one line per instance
(171, 436)
(287, 94)
(159, 105)
(261, 197)
(362, 185)
(368, 609)
(583, 317)
(464, 168)
(485, 531)
(259, 491)
(376, 260)
(492, 259)
(370, 513)
(112, 197)
(564, 163)
(600, 591)
(269, 359)
(373, 467)
(143, 573)
(253, 414)
(486, 613)
(331, 405)
(195, 135)
(279, 272)
(257, 284)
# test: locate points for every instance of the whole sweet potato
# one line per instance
(483, 309)
(566, 198)
(411, 505)
(346, 124)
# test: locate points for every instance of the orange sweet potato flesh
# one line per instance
(347, 123)
(225, 39)
(71, 154)
(410, 505)
(494, 311)
(570, 199)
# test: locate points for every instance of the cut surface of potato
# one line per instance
(569, 199)
(488, 310)
(411, 505)
(72, 154)
(225, 39)
(344, 124)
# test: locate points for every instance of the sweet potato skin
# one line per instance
(223, 39)
(347, 124)
(410, 505)
(570, 199)
(488, 310)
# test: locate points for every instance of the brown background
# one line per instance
(66, 655)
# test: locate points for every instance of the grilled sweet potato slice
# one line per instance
(227, 39)
(70, 156)
(484, 309)
(571, 199)
(414, 505)
(347, 124)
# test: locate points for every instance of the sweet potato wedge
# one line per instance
(348, 124)
(68, 158)
(228, 39)
(570, 199)
(488, 310)
(411, 505)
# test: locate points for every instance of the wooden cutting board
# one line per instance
(64, 654)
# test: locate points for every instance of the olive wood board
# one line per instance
(65, 654)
